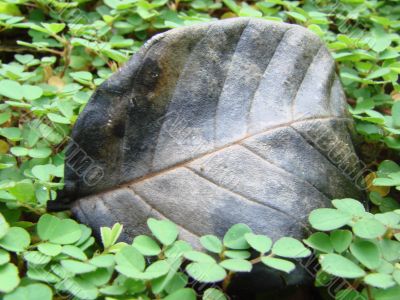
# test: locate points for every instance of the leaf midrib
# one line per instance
(215, 150)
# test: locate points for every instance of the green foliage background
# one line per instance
(54, 54)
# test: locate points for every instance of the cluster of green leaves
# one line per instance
(384, 178)
(58, 258)
(36, 118)
(361, 248)
(64, 49)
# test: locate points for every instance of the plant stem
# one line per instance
(37, 211)
(66, 54)
(256, 260)
(370, 297)
(27, 49)
(227, 281)
(356, 284)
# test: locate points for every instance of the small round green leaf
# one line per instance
(3, 226)
(157, 269)
(57, 231)
(326, 219)
(103, 261)
(290, 248)
(39, 152)
(182, 294)
(4, 257)
(9, 277)
(41, 274)
(50, 249)
(206, 272)
(177, 249)
(4, 117)
(54, 28)
(82, 77)
(378, 73)
(17, 239)
(77, 267)
(349, 294)
(31, 92)
(57, 118)
(390, 249)
(382, 281)
(242, 254)
(109, 236)
(197, 256)
(34, 291)
(213, 294)
(23, 190)
(146, 245)
(278, 264)
(43, 172)
(19, 151)
(113, 290)
(99, 277)
(130, 272)
(369, 228)
(164, 230)
(386, 294)
(341, 240)
(396, 276)
(131, 258)
(11, 133)
(350, 206)
(234, 237)
(236, 265)
(366, 253)
(24, 58)
(211, 243)
(36, 258)
(340, 266)
(385, 267)
(173, 283)
(258, 242)
(389, 219)
(85, 236)
(74, 252)
(11, 89)
(319, 241)
(82, 289)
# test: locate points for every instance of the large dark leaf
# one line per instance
(211, 125)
